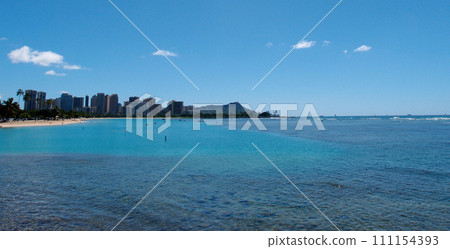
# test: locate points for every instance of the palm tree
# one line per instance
(19, 94)
(26, 98)
(38, 101)
(11, 109)
(2, 112)
(49, 104)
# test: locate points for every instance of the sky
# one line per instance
(371, 57)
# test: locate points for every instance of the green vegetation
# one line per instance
(10, 110)
(265, 115)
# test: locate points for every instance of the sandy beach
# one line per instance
(32, 123)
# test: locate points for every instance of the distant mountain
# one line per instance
(210, 109)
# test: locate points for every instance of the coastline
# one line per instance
(32, 123)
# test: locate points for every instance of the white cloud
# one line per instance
(165, 53)
(304, 44)
(51, 72)
(26, 54)
(363, 48)
(71, 67)
(345, 51)
(269, 44)
(326, 43)
(46, 58)
(22, 54)
(3, 38)
(1, 96)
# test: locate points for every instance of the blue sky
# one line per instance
(226, 47)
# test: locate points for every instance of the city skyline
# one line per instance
(346, 66)
(111, 106)
(99, 103)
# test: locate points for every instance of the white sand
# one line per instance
(31, 123)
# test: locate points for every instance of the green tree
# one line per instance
(20, 93)
(24, 115)
(264, 115)
(10, 109)
(26, 98)
(2, 111)
(49, 104)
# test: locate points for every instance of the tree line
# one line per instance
(10, 110)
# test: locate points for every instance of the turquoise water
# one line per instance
(364, 174)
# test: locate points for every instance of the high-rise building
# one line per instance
(188, 110)
(133, 104)
(66, 102)
(131, 99)
(57, 103)
(94, 104)
(119, 108)
(78, 104)
(148, 102)
(112, 104)
(86, 102)
(30, 104)
(40, 100)
(100, 103)
(157, 107)
(175, 107)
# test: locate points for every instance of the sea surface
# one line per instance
(363, 173)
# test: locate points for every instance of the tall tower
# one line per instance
(66, 102)
(100, 103)
(113, 102)
(40, 100)
(30, 104)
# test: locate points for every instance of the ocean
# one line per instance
(363, 173)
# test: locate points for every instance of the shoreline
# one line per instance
(32, 123)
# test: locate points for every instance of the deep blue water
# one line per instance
(364, 174)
